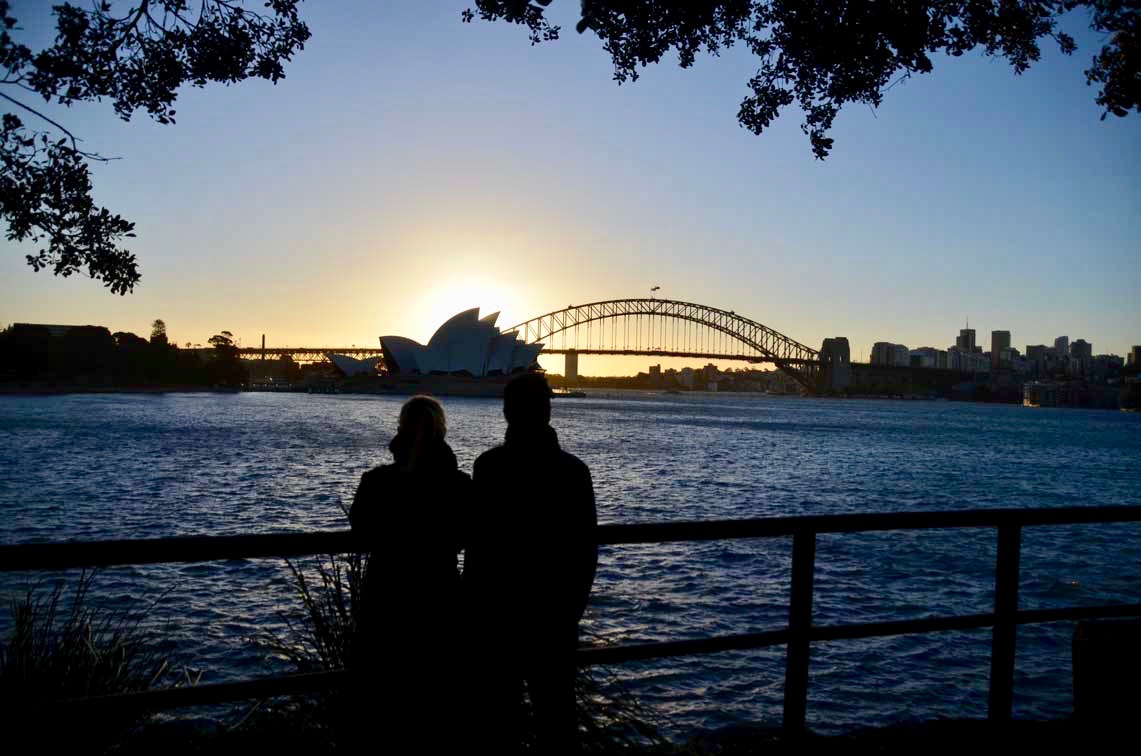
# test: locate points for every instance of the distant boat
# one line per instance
(568, 393)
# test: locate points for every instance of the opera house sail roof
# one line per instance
(351, 366)
(466, 345)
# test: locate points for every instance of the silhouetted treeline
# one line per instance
(91, 356)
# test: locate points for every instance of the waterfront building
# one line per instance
(955, 358)
(929, 357)
(1043, 359)
(1069, 394)
(1135, 356)
(967, 362)
(999, 349)
(1018, 363)
(1062, 345)
(886, 353)
(464, 345)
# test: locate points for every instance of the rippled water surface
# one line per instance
(130, 466)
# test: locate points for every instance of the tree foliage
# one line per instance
(824, 54)
(817, 54)
(137, 58)
(93, 357)
(158, 332)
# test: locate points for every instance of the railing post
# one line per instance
(799, 625)
(1005, 633)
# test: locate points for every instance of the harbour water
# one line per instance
(133, 466)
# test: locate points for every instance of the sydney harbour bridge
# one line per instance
(645, 327)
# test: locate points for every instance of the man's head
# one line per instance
(527, 401)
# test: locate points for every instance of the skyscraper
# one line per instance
(1081, 357)
(966, 339)
(1081, 350)
(999, 340)
(1062, 345)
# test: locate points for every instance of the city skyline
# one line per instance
(410, 166)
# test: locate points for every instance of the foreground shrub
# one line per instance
(62, 647)
(321, 635)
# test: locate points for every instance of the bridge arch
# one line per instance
(761, 343)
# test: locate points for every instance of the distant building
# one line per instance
(1062, 345)
(1081, 357)
(1043, 359)
(1081, 350)
(55, 331)
(929, 357)
(886, 353)
(1020, 364)
(465, 345)
(966, 340)
(1135, 356)
(967, 362)
(999, 341)
(1106, 368)
(685, 377)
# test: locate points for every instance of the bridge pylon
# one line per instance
(570, 367)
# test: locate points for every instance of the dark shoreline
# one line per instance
(55, 390)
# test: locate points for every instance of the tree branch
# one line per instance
(74, 139)
(33, 111)
(129, 28)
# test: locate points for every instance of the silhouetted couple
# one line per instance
(449, 657)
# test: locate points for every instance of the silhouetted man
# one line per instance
(528, 570)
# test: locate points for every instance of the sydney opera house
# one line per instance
(465, 345)
(352, 366)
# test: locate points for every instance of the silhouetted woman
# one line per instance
(407, 515)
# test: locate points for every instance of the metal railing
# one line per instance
(797, 635)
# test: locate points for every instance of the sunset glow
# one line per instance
(378, 190)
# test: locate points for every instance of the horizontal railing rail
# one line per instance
(797, 636)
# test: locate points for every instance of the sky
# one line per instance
(410, 166)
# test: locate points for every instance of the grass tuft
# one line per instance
(321, 637)
(62, 647)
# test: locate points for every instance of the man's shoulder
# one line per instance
(492, 456)
(494, 452)
(572, 462)
(503, 455)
